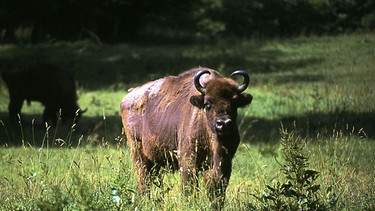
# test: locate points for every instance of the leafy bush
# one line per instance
(300, 189)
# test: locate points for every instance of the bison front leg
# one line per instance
(216, 187)
(14, 107)
(189, 175)
(50, 114)
(217, 180)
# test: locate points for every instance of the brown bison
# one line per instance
(186, 122)
(54, 88)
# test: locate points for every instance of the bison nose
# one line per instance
(222, 123)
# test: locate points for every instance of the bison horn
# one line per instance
(83, 111)
(197, 84)
(246, 79)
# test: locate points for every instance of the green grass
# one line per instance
(85, 177)
(319, 87)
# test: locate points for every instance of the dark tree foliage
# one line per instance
(129, 20)
(275, 17)
(354, 14)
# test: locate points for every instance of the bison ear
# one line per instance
(245, 99)
(197, 100)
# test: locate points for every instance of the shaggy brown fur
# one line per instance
(169, 123)
(54, 88)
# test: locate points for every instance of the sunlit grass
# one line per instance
(321, 87)
(73, 177)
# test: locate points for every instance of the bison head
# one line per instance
(70, 113)
(220, 98)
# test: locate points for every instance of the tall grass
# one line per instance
(53, 179)
(102, 177)
(320, 88)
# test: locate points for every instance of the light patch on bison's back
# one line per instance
(139, 95)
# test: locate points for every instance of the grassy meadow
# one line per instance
(313, 103)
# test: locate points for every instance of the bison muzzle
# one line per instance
(187, 123)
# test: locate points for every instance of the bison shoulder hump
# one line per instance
(139, 96)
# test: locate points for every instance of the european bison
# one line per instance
(186, 122)
(54, 88)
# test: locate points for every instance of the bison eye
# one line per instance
(207, 106)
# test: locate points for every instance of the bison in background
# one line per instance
(186, 122)
(51, 86)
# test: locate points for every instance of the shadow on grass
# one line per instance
(99, 131)
(309, 125)
(102, 66)
(88, 131)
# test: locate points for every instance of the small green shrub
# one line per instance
(299, 189)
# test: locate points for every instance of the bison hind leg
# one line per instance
(147, 176)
